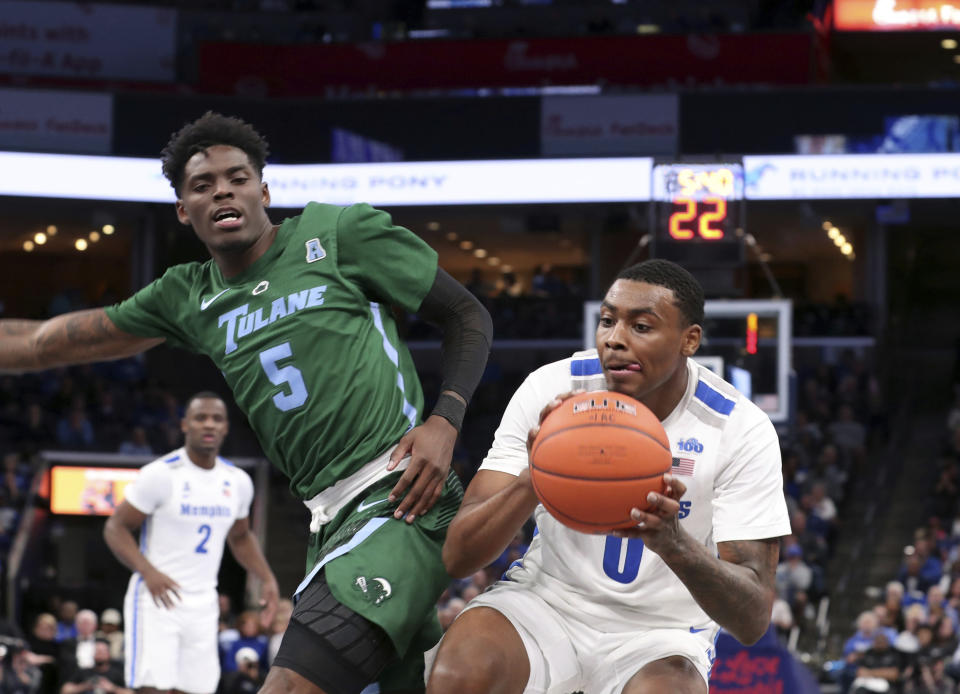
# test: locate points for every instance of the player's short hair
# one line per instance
(209, 130)
(685, 287)
(203, 395)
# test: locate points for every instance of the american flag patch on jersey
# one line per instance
(682, 466)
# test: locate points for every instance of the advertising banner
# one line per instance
(608, 125)
(308, 69)
(87, 41)
(896, 15)
(294, 185)
(55, 121)
(830, 177)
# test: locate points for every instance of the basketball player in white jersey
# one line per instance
(185, 506)
(637, 611)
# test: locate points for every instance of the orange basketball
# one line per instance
(596, 457)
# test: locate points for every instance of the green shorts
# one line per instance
(387, 570)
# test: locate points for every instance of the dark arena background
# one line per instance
(802, 159)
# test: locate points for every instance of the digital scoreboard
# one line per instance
(696, 212)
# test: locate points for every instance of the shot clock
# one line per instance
(696, 211)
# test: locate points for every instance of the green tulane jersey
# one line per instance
(305, 337)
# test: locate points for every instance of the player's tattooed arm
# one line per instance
(737, 590)
(72, 338)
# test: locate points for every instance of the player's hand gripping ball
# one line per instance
(596, 457)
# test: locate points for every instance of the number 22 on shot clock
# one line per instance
(698, 200)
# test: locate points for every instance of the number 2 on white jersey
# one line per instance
(288, 375)
(205, 531)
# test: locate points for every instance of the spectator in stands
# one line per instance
(937, 605)
(66, 625)
(830, 470)
(15, 481)
(18, 675)
(848, 434)
(245, 678)
(879, 668)
(546, 284)
(78, 653)
(137, 443)
(932, 678)
(953, 595)
(822, 505)
(920, 673)
(103, 675)
(74, 431)
(42, 642)
(110, 631)
(814, 546)
(918, 571)
(907, 640)
(793, 574)
(248, 624)
(509, 285)
(868, 628)
(893, 601)
(807, 435)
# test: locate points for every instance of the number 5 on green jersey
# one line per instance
(284, 375)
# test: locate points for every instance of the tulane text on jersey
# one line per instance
(240, 322)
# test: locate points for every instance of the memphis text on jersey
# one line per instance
(205, 510)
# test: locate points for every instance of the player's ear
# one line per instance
(183, 425)
(182, 213)
(265, 194)
(691, 340)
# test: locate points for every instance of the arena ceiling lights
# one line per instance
(512, 181)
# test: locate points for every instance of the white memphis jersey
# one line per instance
(189, 512)
(726, 452)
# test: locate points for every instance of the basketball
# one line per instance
(596, 457)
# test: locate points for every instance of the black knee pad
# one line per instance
(331, 645)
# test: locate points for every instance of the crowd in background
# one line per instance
(908, 641)
(70, 650)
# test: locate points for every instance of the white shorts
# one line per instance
(567, 654)
(171, 648)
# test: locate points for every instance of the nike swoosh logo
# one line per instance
(694, 630)
(206, 302)
(363, 505)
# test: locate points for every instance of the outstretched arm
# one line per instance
(77, 337)
(243, 543)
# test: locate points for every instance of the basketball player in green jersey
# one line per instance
(296, 316)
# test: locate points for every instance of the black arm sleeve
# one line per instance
(467, 334)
